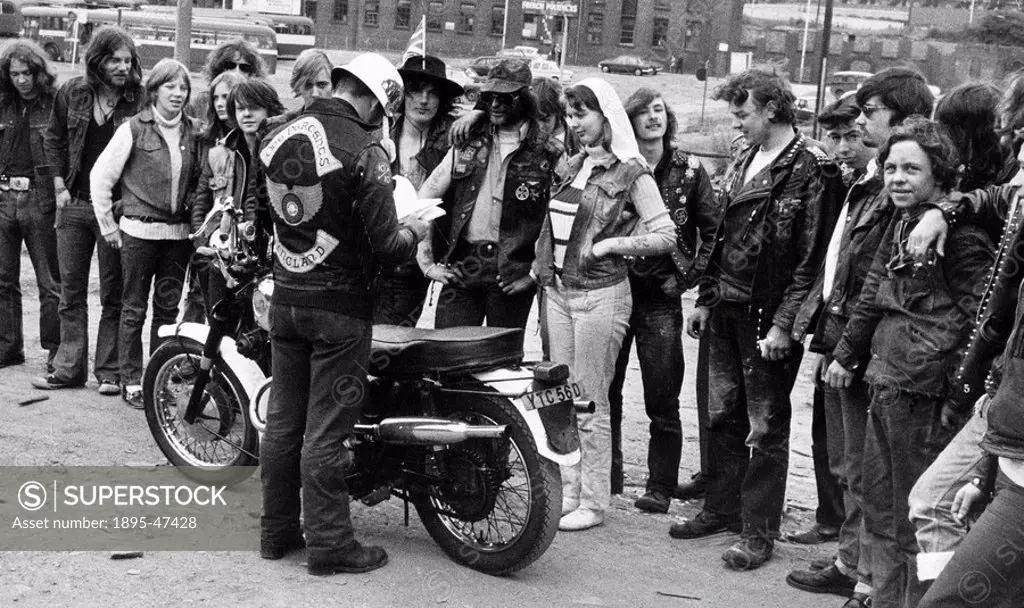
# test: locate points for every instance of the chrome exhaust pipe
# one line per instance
(583, 406)
(428, 431)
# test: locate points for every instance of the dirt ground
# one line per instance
(629, 561)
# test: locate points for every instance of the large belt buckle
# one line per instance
(20, 184)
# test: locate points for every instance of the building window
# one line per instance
(340, 11)
(467, 15)
(660, 31)
(629, 8)
(435, 11)
(532, 26)
(595, 27)
(371, 14)
(309, 9)
(662, 5)
(497, 19)
(626, 30)
(403, 14)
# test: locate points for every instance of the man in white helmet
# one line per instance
(330, 191)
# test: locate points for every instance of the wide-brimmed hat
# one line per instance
(432, 70)
(507, 76)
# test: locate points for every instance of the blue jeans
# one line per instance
(22, 220)
(846, 417)
(750, 411)
(480, 298)
(904, 437)
(400, 299)
(931, 499)
(657, 325)
(145, 262)
(987, 569)
(77, 234)
(586, 328)
(830, 511)
(319, 363)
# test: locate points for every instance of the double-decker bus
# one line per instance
(153, 32)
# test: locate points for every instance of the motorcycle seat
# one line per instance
(407, 351)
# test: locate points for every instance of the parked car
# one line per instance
(478, 69)
(628, 64)
(806, 98)
(549, 69)
(520, 51)
(471, 88)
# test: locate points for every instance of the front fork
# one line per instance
(220, 318)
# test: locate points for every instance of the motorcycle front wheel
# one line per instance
(221, 446)
(497, 509)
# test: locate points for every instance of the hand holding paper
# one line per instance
(407, 204)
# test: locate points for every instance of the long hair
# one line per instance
(167, 70)
(215, 128)
(105, 42)
(580, 97)
(34, 57)
(217, 60)
(643, 97)
(255, 93)
(968, 114)
(936, 145)
(1011, 111)
(308, 64)
(445, 105)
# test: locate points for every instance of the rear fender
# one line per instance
(249, 375)
(518, 381)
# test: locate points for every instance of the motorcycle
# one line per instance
(453, 423)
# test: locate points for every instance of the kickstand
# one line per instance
(405, 501)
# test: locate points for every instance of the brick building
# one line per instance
(468, 28)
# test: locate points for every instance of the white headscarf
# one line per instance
(623, 140)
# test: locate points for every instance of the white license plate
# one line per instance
(550, 396)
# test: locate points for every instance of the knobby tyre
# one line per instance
(222, 445)
(509, 526)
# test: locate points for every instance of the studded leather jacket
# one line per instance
(772, 239)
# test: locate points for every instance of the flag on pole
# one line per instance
(417, 42)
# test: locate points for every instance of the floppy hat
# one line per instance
(430, 69)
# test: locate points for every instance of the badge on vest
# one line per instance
(296, 204)
(305, 261)
(522, 192)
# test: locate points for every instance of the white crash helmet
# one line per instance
(379, 76)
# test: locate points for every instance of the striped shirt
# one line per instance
(562, 211)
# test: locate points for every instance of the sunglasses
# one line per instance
(868, 111)
(232, 65)
(505, 99)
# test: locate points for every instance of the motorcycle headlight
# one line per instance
(261, 302)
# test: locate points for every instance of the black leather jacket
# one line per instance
(330, 190)
(774, 233)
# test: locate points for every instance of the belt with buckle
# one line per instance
(17, 183)
(481, 250)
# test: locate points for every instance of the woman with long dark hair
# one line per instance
(590, 227)
(152, 158)
(969, 116)
(229, 172)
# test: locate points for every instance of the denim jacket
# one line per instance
(528, 185)
(917, 313)
(69, 122)
(38, 119)
(146, 178)
(772, 239)
(605, 211)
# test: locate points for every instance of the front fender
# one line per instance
(519, 381)
(249, 375)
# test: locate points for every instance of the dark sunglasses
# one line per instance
(231, 65)
(505, 99)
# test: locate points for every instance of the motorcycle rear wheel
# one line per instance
(222, 445)
(523, 517)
